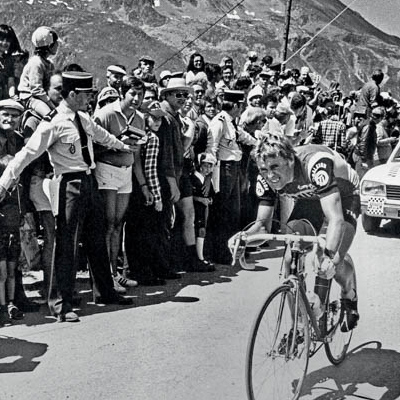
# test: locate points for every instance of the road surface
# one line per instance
(187, 340)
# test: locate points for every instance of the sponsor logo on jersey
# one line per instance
(320, 175)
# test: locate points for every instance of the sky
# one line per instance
(384, 14)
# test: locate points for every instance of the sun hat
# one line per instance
(43, 36)
(165, 74)
(176, 84)
(11, 104)
(107, 93)
(256, 91)
(153, 108)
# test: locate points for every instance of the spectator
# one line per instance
(305, 78)
(7, 73)
(196, 69)
(213, 72)
(370, 92)
(145, 68)
(165, 76)
(36, 73)
(252, 58)
(114, 168)
(150, 92)
(150, 252)
(10, 246)
(172, 165)
(227, 78)
(115, 73)
(366, 140)
(203, 193)
(207, 111)
(226, 148)
(383, 141)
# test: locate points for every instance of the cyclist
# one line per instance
(325, 188)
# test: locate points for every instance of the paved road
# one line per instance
(187, 340)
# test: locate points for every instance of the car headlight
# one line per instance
(371, 188)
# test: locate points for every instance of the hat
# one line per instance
(302, 88)
(361, 110)
(147, 58)
(234, 96)
(165, 74)
(304, 70)
(252, 54)
(283, 109)
(207, 158)
(107, 93)
(115, 69)
(256, 91)
(153, 108)
(43, 36)
(12, 104)
(77, 81)
(176, 84)
(177, 74)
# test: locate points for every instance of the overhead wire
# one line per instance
(201, 33)
(321, 30)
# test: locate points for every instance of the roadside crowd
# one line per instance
(151, 175)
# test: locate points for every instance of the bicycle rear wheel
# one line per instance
(277, 359)
(338, 341)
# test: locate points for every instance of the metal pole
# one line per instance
(287, 29)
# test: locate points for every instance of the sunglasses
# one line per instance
(182, 95)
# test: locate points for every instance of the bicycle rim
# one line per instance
(273, 371)
(338, 341)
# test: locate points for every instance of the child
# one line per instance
(37, 72)
(203, 193)
(10, 249)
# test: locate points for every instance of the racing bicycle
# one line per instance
(286, 333)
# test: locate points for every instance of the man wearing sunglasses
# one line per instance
(175, 186)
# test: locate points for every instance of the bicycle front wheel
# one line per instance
(337, 341)
(277, 354)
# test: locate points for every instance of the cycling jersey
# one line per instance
(318, 172)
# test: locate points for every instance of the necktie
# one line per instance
(84, 141)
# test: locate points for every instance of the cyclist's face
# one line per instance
(277, 171)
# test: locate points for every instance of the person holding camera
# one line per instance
(114, 168)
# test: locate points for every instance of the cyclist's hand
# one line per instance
(232, 241)
(326, 268)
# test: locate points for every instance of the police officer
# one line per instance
(68, 137)
(225, 146)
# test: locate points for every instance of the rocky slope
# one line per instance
(96, 33)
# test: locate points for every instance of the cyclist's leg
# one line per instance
(345, 272)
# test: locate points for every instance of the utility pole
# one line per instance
(287, 29)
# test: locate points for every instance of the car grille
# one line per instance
(393, 192)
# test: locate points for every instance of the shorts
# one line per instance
(37, 196)
(311, 210)
(10, 246)
(110, 177)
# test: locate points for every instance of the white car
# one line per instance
(380, 192)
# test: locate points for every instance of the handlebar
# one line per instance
(242, 240)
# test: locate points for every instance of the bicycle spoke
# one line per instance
(274, 371)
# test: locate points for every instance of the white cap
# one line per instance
(43, 36)
(115, 69)
(256, 91)
(207, 158)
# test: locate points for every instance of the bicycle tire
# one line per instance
(338, 342)
(268, 374)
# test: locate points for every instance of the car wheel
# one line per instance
(370, 224)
